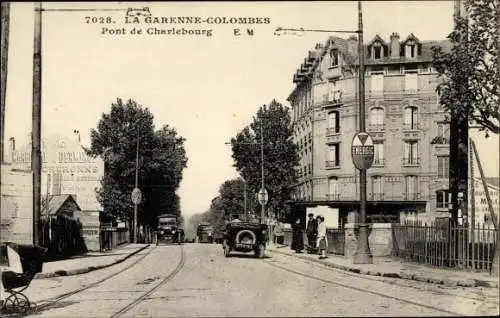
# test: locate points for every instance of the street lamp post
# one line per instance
(363, 254)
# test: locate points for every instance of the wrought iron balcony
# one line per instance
(411, 127)
(376, 127)
(332, 164)
(333, 99)
(377, 196)
(411, 161)
(332, 131)
(333, 196)
(412, 196)
(378, 162)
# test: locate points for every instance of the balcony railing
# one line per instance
(332, 131)
(333, 99)
(376, 196)
(378, 162)
(412, 196)
(333, 196)
(411, 127)
(376, 127)
(411, 161)
(330, 164)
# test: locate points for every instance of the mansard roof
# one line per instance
(377, 38)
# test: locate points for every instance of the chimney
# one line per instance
(77, 135)
(352, 45)
(395, 51)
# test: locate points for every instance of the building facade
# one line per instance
(410, 169)
(66, 170)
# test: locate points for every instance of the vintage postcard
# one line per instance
(249, 159)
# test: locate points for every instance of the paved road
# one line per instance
(208, 284)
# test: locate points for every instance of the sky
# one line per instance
(207, 87)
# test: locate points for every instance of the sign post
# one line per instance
(136, 200)
(362, 152)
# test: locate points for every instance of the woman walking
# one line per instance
(298, 241)
(322, 241)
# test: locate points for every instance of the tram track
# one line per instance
(53, 302)
(359, 289)
(381, 280)
(47, 304)
(162, 282)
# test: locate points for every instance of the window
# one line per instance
(442, 199)
(443, 132)
(410, 50)
(377, 82)
(333, 122)
(378, 158)
(333, 188)
(333, 159)
(410, 117)
(411, 185)
(443, 167)
(411, 81)
(377, 51)
(377, 118)
(377, 188)
(334, 58)
(334, 93)
(410, 153)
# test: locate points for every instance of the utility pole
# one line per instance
(136, 186)
(36, 162)
(362, 254)
(262, 205)
(4, 64)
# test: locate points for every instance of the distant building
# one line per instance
(409, 175)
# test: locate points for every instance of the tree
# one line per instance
(162, 159)
(280, 155)
(470, 70)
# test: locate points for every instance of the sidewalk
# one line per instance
(392, 267)
(89, 262)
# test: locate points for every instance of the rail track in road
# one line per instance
(359, 289)
(162, 282)
(54, 301)
(381, 279)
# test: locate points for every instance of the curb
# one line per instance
(85, 270)
(407, 276)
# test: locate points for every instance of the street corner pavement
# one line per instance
(392, 268)
(91, 261)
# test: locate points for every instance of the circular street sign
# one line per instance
(136, 196)
(263, 196)
(362, 150)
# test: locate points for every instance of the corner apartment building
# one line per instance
(410, 170)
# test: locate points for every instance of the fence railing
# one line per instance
(445, 246)
(335, 238)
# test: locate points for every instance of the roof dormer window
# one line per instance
(377, 51)
(334, 58)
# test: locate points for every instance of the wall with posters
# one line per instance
(66, 169)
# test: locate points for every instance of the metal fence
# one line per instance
(445, 245)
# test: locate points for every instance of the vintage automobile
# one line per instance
(245, 237)
(169, 230)
(205, 233)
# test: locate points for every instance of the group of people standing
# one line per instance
(315, 235)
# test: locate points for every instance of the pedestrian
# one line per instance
(297, 241)
(322, 241)
(312, 233)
